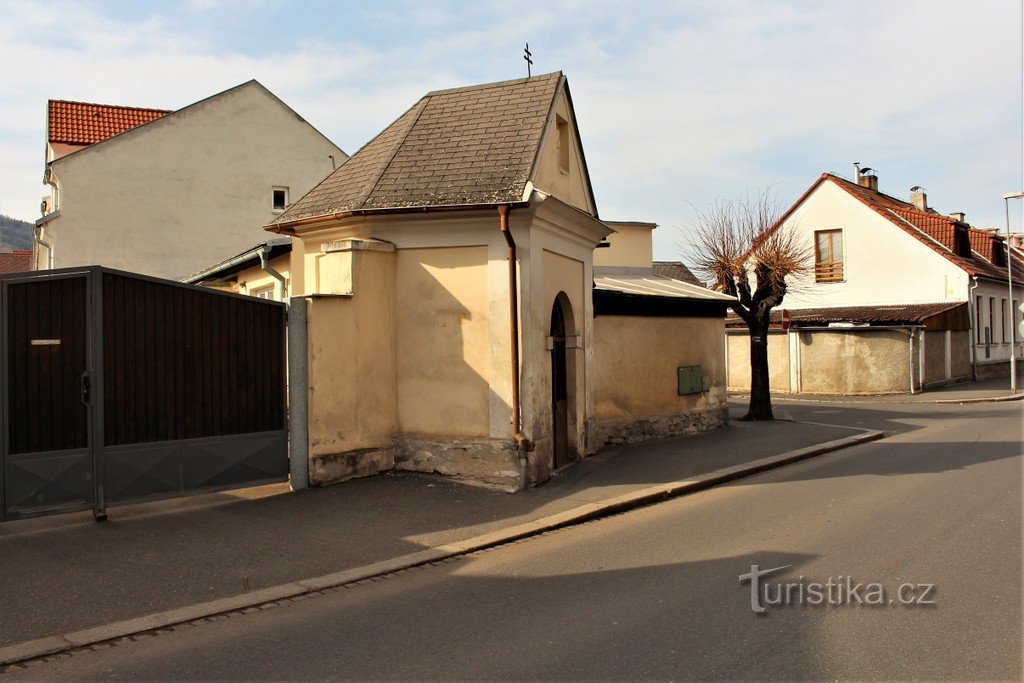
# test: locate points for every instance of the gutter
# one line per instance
(286, 227)
(230, 263)
(523, 444)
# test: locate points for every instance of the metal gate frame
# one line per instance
(90, 346)
(256, 444)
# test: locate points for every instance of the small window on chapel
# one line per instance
(828, 256)
(280, 199)
(563, 144)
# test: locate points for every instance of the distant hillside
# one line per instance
(15, 234)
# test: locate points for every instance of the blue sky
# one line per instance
(678, 103)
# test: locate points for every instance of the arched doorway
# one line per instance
(561, 328)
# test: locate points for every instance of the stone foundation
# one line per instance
(997, 369)
(334, 468)
(491, 461)
(661, 427)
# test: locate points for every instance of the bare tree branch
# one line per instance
(736, 242)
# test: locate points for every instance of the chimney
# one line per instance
(920, 200)
(1016, 240)
(868, 179)
(958, 216)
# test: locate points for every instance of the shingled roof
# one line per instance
(465, 146)
(676, 270)
(934, 230)
(85, 123)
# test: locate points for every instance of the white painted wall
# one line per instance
(882, 263)
(187, 190)
(885, 265)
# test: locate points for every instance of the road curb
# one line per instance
(846, 400)
(51, 645)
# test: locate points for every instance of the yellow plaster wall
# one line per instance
(569, 186)
(563, 274)
(636, 360)
(739, 361)
(352, 397)
(256, 278)
(631, 247)
(443, 341)
(854, 362)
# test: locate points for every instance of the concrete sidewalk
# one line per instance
(965, 392)
(62, 574)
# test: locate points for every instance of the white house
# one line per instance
(901, 297)
(167, 192)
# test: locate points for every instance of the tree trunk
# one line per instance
(760, 390)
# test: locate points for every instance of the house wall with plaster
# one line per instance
(852, 361)
(185, 190)
(636, 360)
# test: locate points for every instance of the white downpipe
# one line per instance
(280, 289)
(975, 332)
(41, 241)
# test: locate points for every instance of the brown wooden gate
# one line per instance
(118, 388)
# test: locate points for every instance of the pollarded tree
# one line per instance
(745, 251)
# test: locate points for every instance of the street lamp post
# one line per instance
(1009, 284)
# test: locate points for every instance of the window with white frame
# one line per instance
(280, 199)
(266, 292)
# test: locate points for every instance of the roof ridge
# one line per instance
(494, 84)
(110, 106)
(398, 145)
(884, 194)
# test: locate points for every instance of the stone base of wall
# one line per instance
(661, 427)
(489, 461)
(334, 468)
(997, 369)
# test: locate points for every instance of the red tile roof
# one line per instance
(932, 229)
(16, 261)
(82, 123)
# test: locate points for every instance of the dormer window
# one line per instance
(961, 241)
(998, 253)
(280, 199)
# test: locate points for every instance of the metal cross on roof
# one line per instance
(529, 62)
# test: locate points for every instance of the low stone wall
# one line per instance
(661, 427)
(997, 369)
(333, 468)
(491, 461)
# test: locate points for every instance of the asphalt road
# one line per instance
(655, 593)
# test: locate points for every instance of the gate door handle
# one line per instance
(86, 388)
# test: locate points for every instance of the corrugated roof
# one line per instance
(887, 314)
(474, 145)
(86, 123)
(644, 282)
